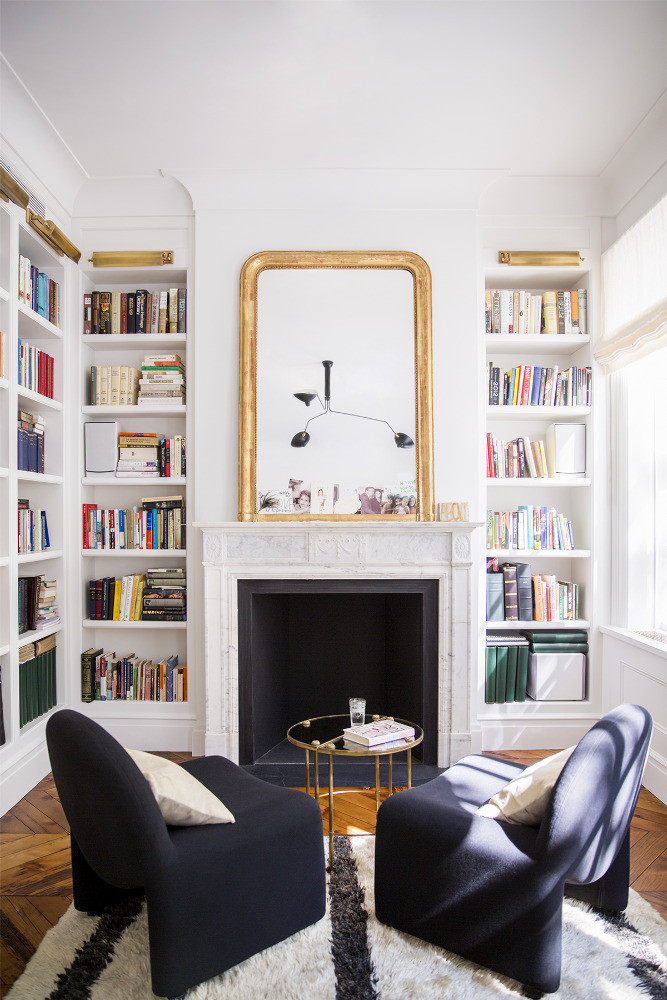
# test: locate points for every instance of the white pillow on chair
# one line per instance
(182, 799)
(523, 800)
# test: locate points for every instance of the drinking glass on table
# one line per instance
(357, 711)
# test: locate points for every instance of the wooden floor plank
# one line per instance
(39, 847)
(17, 846)
(10, 823)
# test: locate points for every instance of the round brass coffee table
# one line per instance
(325, 735)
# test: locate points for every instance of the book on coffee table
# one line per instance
(374, 733)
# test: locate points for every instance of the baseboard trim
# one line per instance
(534, 734)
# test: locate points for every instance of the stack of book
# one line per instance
(33, 530)
(162, 381)
(3, 738)
(108, 677)
(47, 614)
(35, 369)
(165, 595)
(557, 665)
(516, 311)
(147, 455)
(37, 679)
(39, 292)
(113, 385)
(384, 733)
(141, 311)
(30, 443)
(506, 668)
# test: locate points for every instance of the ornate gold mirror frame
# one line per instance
(276, 260)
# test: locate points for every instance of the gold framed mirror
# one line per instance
(360, 321)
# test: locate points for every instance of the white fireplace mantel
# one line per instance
(311, 550)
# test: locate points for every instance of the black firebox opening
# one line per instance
(307, 646)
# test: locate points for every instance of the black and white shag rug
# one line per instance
(349, 955)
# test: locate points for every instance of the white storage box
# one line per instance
(557, 676)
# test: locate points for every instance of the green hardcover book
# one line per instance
(490, 687)
(33, 706)
(501, 674)
(522, 673)
(510, 682)
(88, 674)
(560, 635)
(559, 647)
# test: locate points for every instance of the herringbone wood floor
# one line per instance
(35, 875)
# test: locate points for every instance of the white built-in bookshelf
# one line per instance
(47, 490)
(571, 496)
(155, 724)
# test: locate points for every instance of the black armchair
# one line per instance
(492, 891)
(215, 894)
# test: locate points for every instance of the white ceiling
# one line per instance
(536, 87)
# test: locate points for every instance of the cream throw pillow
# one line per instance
(183, 800)
(524, 799)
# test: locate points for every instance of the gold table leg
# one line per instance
(377, 781)
(317, 777)
(307, 772)
(391, 782)
(410, 768)
(331, 797)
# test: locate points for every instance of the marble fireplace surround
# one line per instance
(319, 550)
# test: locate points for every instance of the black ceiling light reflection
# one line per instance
(301, 439)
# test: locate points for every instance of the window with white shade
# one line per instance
(633, 349)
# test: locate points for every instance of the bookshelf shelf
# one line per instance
(32, 324)
(30, 557)
(135, 553)
(122, 709)
(540, 553)
(551, 413)
(4, 294)
(503, 626)
(547, 343)
(38, 477)
(4, 473)
(132, 341)
(139, 410)
(4, 560)
(5, 649)
(94, 623)
(565, 482)
(151, 481)
(26, 637)
(4, 383)
(36, 401)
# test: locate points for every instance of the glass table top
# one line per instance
(326, 732)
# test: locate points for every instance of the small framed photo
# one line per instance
(370, 498)
(321, 498)
(346, 500)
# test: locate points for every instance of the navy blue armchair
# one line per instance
(215, 894)
(492, 891)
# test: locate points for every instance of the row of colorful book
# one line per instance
(518, 311)
(532, 385)
(149, 455)
(38, 291)
(514, 593)
(35, 369)
(160, 523)
(33, 528)
(37, 678)
(30, 442)
(108, 677)
(141, 311)
(534, 528)
(157, 595)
